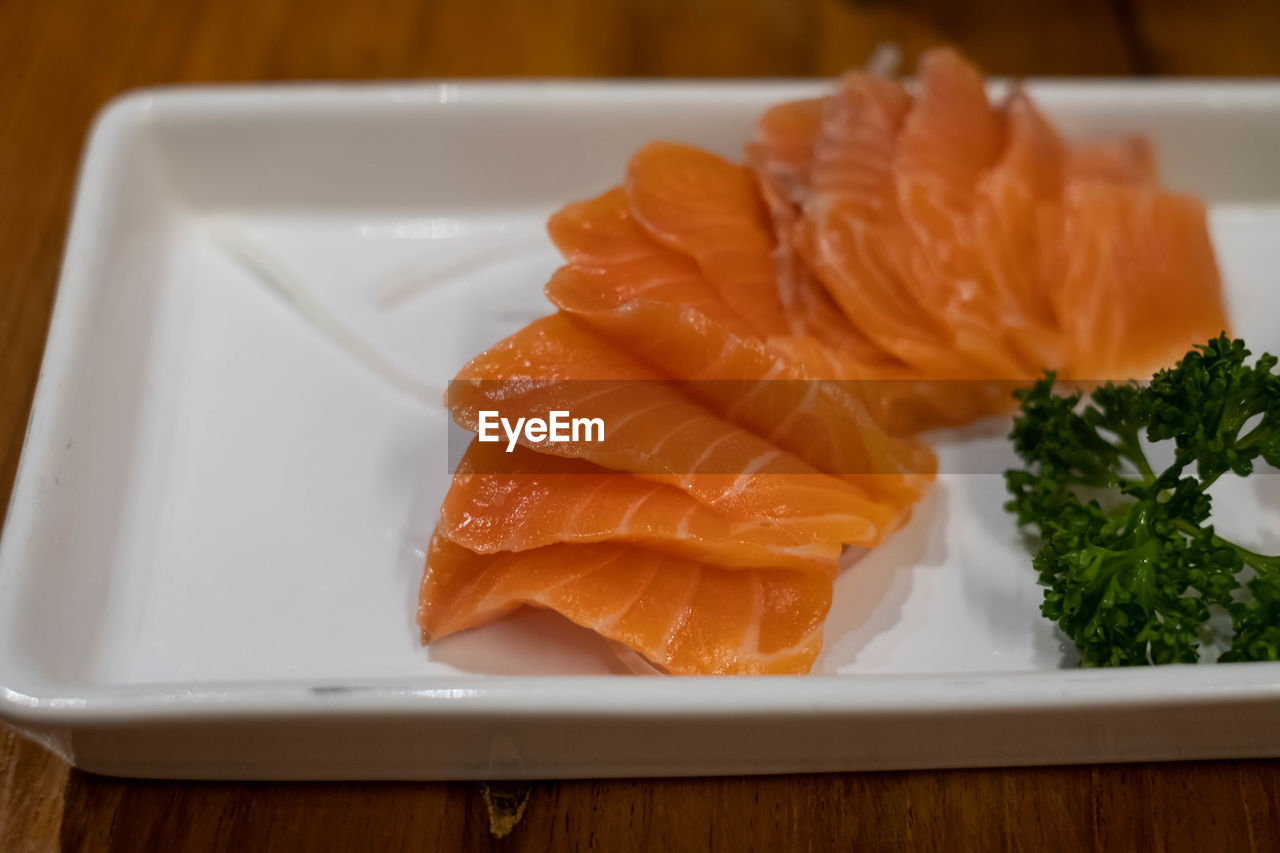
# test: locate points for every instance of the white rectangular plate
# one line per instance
(211, 556)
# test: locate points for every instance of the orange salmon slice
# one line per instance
(807, 402)
(521, 500)
(683, 616)
(655, 431)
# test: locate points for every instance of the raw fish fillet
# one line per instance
(856, 242)
(655, 431)
(781, 156)
(853, 236)
(944, 227)
(1006, 201)
(685, 617)
(1132, 277)
(950, 138)
(521, 500)
(759, 339)
(639, 294)
(710, 209)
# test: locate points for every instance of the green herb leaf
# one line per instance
(1129, 562)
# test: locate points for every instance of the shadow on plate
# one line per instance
(869, 594)
(528, 642)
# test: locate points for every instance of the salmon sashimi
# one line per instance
(701, 205)
(942, 221)
(950, 138)
(853, 181)
(1006, 201)
(517, 501)
(781, 157)
(854, 239)
(1117, 253)
(848, 234)
(675, 322)
(601, 236)
(759, 342)
(697, 203)
(889, 229)
(828, 423)
(903, 401)
(655, 431)
(683, 616)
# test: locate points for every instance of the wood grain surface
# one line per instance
(60, 60)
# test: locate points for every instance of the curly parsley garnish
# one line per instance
(1128, 556)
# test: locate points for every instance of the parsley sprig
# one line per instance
(1129, 559)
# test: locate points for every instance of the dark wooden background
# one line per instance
(59, 61)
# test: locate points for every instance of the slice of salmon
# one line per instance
(853, 173)
(600, 235)
(930, 241)
(761, 386)
(1132, 277)
(518, 500)
(781, 156)
(1006, 201)
(798, 397)
(684, 616)
(950, 140)
(907, 225)
(1028, 178)
(708, 208)
(655, 431)
(849, 236)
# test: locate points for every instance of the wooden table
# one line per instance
(59, 61)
